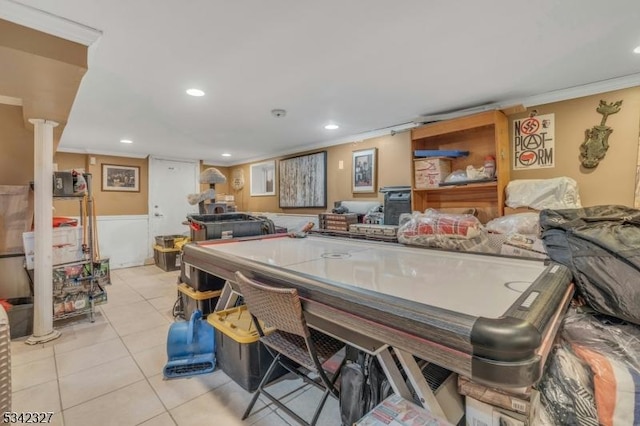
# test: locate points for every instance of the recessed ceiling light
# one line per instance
(195, 92)
(126, 141)
(636, 50)
(331, 126)
(226, 154)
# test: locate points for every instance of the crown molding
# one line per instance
(101, 152)
(580, 91)
(603, 86)
(49, 23)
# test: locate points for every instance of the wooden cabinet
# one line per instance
(482, 135)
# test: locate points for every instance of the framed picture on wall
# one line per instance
(120, 178)
(303, 181)
(263, 178)
(364, 170)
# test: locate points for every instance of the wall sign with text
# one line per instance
(534, 142)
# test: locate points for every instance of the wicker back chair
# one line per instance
(292, 340)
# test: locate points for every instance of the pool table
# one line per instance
(490, 318)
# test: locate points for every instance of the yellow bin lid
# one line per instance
(164, 249)
(237, 324)
(198, 295)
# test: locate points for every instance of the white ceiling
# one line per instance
(363, 64)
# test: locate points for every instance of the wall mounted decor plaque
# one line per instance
(596, 139)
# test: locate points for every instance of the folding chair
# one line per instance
(292, 340)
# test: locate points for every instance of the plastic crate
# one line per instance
(169, 241)
(227, 225)
(190, 300)
(166, 259)
(198, 279)
(239, 352)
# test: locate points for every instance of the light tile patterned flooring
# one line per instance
(110, 372)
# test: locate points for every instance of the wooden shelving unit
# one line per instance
(481, 134)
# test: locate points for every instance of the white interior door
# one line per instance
(170, 181)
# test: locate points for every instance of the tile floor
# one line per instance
(110, 372)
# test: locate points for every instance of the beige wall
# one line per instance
(613, 180)
(106, 203)
(16, 143)
(394, 153)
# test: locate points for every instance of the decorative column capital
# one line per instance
(35, 121)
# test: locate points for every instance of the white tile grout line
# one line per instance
(145, 378)
(106, 317)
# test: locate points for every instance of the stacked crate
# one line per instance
(166, 251)
(337, 222)
(198, 289)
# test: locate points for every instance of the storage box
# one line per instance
(429, 172)
(199, 280)
(190, 300)
(479, 413)
(67, 245)
(167, 259)
(239, 353)
(170, 241)
(20, 316)
(524, 402)
(62, 184)
(337, 222)
(226, 225)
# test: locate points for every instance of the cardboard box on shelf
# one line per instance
(429, 172)
(67, 245)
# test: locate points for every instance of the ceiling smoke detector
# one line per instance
(279, 113)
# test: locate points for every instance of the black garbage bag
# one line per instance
(601, 247)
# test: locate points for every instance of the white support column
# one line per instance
(43, 266)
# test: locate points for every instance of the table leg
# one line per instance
(420, 385)
(228, 297)
(393, 374)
